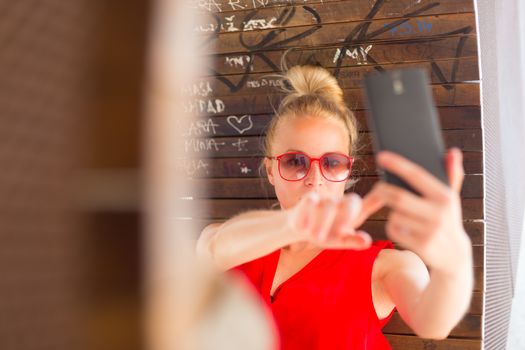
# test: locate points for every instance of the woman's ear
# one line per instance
(269, 171)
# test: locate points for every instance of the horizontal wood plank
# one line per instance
(248, 167)
(440, 72)
(461, 94)
(337, 57)
(360, 8)
(225, 6)
(248, 15)
(466, 140)
(468, 327)
(409, 342)
(254, 125)
(359, 32)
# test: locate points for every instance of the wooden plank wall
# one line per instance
(246, 40)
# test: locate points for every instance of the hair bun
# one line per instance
(313, 80)
(312, 91)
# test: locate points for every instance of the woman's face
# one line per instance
(315, 137)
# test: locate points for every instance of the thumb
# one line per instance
(455, 170)
(371, 203)
(304, 210)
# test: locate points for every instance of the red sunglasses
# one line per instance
(295, 166)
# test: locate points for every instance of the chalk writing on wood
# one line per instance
(410, 27)
(240, 144)
(238, 61)
(234, 5)
(195, 166)
(203, 145)
(229, 25)
(353, 47)
(361, 33)
(200, 89)
(241, 124)
(244, 168)
(264, 82)
(202, 127)
(212, 106)
(360, 54)
(273, 39)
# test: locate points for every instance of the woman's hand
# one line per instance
(330, 222)
(429, 225)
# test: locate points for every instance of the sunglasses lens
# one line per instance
(336, 167)
(294, 166)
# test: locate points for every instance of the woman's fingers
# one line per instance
(404, 201)
(304, 219)
(405, 229)
(341, 234)
(413, 174)
(371, 203)
(325, 217)
(348, 210)
(455, 170)
(331, 222)
(357, 240)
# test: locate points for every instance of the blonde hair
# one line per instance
(312, 91)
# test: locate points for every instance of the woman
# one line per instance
(327, 284)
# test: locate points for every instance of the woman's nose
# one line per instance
(314, 177)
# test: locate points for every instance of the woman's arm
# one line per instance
(326, 222)
(245, 237)
(430, 305)
(430, 226)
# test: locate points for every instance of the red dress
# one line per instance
(327, 304)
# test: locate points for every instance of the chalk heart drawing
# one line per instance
(241, 124)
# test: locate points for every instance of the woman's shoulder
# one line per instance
(389, 260)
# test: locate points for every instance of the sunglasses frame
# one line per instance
(312, 159)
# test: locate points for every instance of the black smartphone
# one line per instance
(404, 120)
